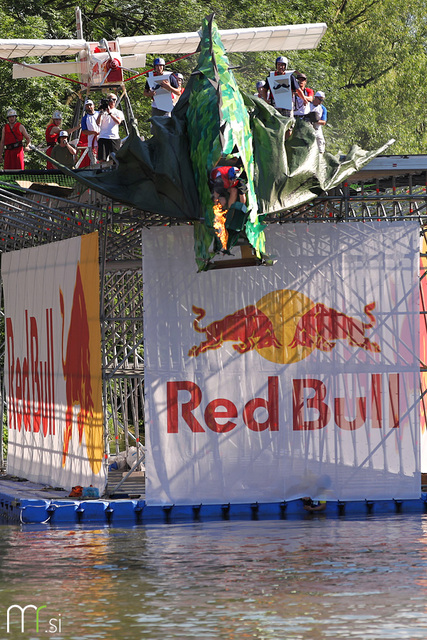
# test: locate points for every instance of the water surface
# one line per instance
(313, 579)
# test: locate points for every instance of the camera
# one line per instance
(103, 105)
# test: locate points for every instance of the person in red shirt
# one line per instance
(11, 142)
(52, 133)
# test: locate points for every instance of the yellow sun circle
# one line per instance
(284, 308)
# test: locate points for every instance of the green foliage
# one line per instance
(371, 63)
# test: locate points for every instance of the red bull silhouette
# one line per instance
(321, 327)
(248, 328)
(76, 366)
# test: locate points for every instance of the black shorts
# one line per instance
(107, 146)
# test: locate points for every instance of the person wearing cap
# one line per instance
(281, 68)
(171, 84)
(301, 109)
(52, 133)
(180, 80)
(318, 116)
(12, 135)
(89, 133)
(259, 85)
(63, 151)
(108, 121)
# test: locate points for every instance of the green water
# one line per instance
(311, 579)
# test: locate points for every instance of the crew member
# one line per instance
(301, 109)
(281, 67)
(11, 143)
(227, 186)
(170, 84)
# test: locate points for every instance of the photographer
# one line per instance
(109, 119)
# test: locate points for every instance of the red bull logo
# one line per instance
(285, 326)
(321, 327)
(81, 365)
(248, 328)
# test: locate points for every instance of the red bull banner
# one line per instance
(270, 383)
(53, 380)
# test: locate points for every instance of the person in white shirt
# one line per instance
(90, 130)
(109, 120)
(318, 116)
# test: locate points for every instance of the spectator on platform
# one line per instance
(11, 142)
(301, 109)
(52, 133)
(180, 80)
(318, 116)
(259, 85)
(63, 151)
(89, 132)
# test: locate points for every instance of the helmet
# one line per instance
(11, 112)
(179, 76)
(159, 61)
(56, 115)
(282, 59)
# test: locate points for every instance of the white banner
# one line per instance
(272, 383)
(53, 378)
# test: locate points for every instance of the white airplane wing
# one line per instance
(285, 38)
(23, 48)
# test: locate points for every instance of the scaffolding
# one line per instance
(41, 212)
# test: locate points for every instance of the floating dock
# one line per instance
(27, 503)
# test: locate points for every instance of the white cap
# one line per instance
(319, 94)
(63, 134)
(179, 76)
(88, 102)
(56, 115)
